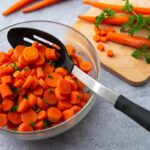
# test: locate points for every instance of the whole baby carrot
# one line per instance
(17, 6)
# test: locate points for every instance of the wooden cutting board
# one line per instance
(123, 65)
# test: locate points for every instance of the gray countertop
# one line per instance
(104, 128)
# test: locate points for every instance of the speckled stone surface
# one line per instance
(104, 128)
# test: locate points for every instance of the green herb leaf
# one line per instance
(25, 96)
(50, 91)
(109, 12)
(50, 76)
(147, 57)
(137, 54)
(128, 7)
(32, 124)
(26, 68)
(52, 63)
(14, 108)
(15, 90)
(78, 97)
(46, 123)
(148, 37)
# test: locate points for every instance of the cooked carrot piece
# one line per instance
(17, 74)
(41, 60)
(38, 91)
(110, 29)
(26, 71)
(7, 79)
(104, 32)
(86, 96)
(13, 58)
(49, 97)
(75, 97)
(42, 115)
(34, 83)
(30, 54)
(7, 105)
(10, 52)
(42, 49)
(63, 105)
(33, 72)
(52, 78)
(73, 84)
(22, 61)
(27, 82)
(11, 126)
(6, 70)
(23, 105)
(82, 103)
(63, 86)
(3, 58)
(18, 50)
(60, 96)
(24, 127)
(80, 84)
(22, 92)
(3, 120)
(51, 54)
(54, 114)
(35, 44)
(86, 66)
(104, 39)
(97, 38)
(67, 114)
(100, 47)
(75, 108)
(43, 84)
(14, 117)
(29, 116)
(5, 90)
(70, 50)
(32, 99)
(109, 53)
(41, 103)
(61, 71)
(39, 72)
(39, 125)
(48, 68)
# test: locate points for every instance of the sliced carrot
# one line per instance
(22, 92)
(30, 54)
(82, 103)
(100, 47)
(54, 114)
(26, 71)
(43, 84)
(10, 52)
(3, 58)
(104, 39)
(24, 127)
(64, 86)
(41, 103)
(39, 125)
(86, 66)
(34, 83)
(75, 108)
(49, 97)
(5, 90)
(29, 116)
(52, 78)
(35, 44)
(7, 105)
(27, 82)
(73, 84)
(48, 68)
(14, 117)
(18, 50)
(33, 72)
(61, 71)
(3, 120)
(70, 50)
(42, 49)
(7, 79)
(22, 61)
(42, 115)
(17, 74)
(97, 38)
(60, 96)
(67, 114)
(38, 91)
(109, 53)
(51, 54)
(104, 32)
(63, 105)
(41, 60)
(23, 105)
(86, 96)
(75, 97)
(80, 84)
(11, 126)
(110, 29)
(32, 99)
(40, 73)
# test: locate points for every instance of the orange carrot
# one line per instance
(41, 103)
(52, 78)
(63, 105)
(116, 20)
(63, 86)
(86, 96)
(35, 44)
(32, 99)
(30, 54)
(18, 50)
(42, 50)
(75, 108)
(59, 96)
(67, 114)
(14, 117)
(17, 74)
(86, 66)
(34, 83)
(61, 71)
(42, 115)
(3, 58)
(22, 61)
(26, 71)
(38, 91)
(3, 120)
(104, 39)
(133, 41)
(48, 68)
(40, 73)
(49, 97)
(27, 82)
(109, 53)
(33, 72)
(75, 97)
(70, 50)
(117, 8)
(54, 114)
(51, 54)
(21, 92)
(73, 84)
(41, 60)
(97, 38)
(7, 79)
(80, 84)
(29, 116)
(23, 105)
(100, 47)
(18, 83)
(5, 90)
(39, 125)
(82, 103)
(17, 6)
(7, 105)
(43, 84)
(6, 70)
(24, 127)
(10, 52)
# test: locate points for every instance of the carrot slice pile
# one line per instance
(34, 93)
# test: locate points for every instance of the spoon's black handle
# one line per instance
(137, 113)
